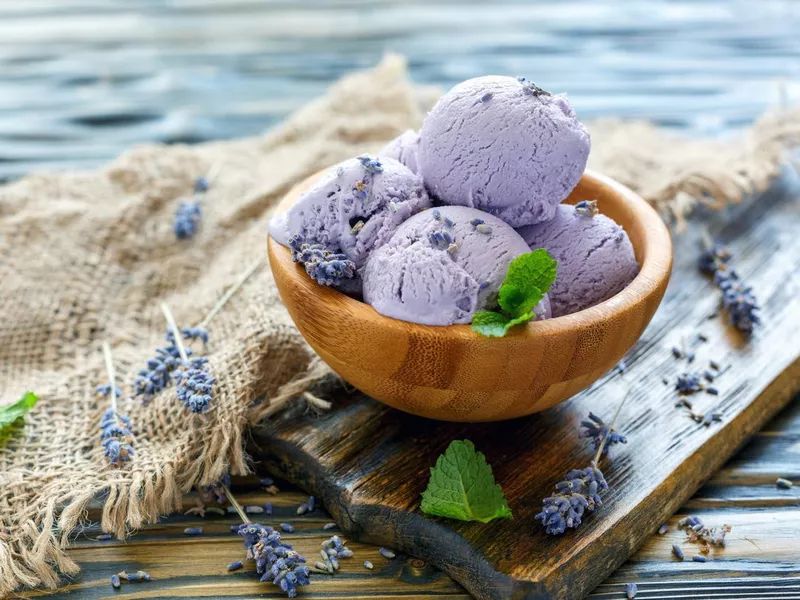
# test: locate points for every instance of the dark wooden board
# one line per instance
(369, 463)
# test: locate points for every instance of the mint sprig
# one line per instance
(527, 280)
(462, 487)
(9, 414)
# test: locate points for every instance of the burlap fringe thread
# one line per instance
(359, 113)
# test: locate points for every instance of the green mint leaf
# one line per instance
(490, 324)
(528, 278)
(9, 414)
(520, 320)
(462, 487)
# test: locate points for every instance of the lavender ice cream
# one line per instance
(404, 149)
(504, 146)
(595, 257)
(443, 265)
(353, 208)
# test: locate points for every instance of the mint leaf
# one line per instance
(490, 324)
(9, 414)
(462, 487)
(528, 278)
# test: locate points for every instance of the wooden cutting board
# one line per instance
(369, 463)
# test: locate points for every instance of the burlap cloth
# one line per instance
(87, 257)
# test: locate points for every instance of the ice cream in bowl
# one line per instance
(473, 271)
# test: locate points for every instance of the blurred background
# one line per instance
(81, 80)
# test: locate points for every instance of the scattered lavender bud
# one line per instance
(286, 527)
(115, 582)
(193, 531)
(321, 566)
(699, 558)
(531, 88)
(329, 526)
(676, 550)
(663, 529)
(784, 484)
(187, 219)
(714, 365)
(268, 509)
(235, 528)
(676, 352)
(440, 239)
(312, 503)
(357, 227)
(368, 565)
(709, 418)
(688, 383)
(132, 577)
(484, 229)
(254, 510)
(195, 333)
(712, 390)
(622, 367)
(235, 566)
(631, 590)
(105, 390)
(266, 481)
(436, 214)
(215, 510)
(702, 337)
(449, 222)
(372, 165)
(587, 208)
(386, 553)
(690, 357)
(487, 96)
(665, 381)
(476, 222)
(302, 509)
(708, 375)
(103, 537)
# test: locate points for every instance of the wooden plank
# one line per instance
(370, 463)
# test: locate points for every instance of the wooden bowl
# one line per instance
(454, 374)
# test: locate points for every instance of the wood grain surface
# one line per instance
(761, 560)
(455, 374)
(369, 463)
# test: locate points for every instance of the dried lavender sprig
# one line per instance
(115, 434)
(596, 430)
(322, 265)
(195, 383)
(579, 492)
(531, 88)
(737, 298)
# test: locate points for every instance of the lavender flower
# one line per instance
(737, 298)
(587, 208)
(577, 493)
(372, 165)
(275, 560)
(215, 492)
(322, 265)
(596, 430)
(713, 258)
(688, 383)
(195, 384)
(160, 369)
(440, 239)
(187, 219)
(105, 390)
(116, 436)
(531, 88)
(201, 185)
(739, 301)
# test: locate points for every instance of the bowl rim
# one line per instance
(656, 267)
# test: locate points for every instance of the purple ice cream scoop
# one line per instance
(595, 257)
(404, 149)
(442, 265)
(504, 146)
(354, 207)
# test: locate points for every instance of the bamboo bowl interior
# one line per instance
(454, 374)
